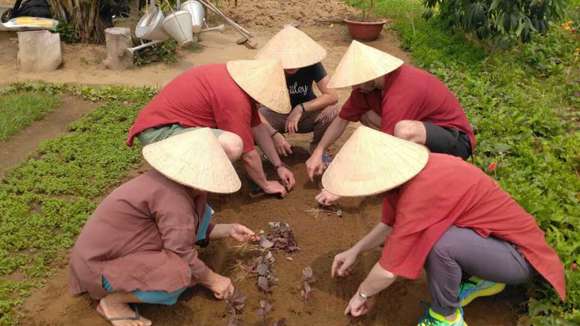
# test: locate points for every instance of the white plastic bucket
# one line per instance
(178, 25)
(195, 8)
(150, 26)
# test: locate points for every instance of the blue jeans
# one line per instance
(153, 297)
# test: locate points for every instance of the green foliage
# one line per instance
(68, 33)
(523, 104)
(367, 7)
(18, 110)
(165, 52)
(497, 18)
(45, 201)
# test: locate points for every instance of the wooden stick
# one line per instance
(237, 26)
(216, 10)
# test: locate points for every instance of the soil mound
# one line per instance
(277, 13)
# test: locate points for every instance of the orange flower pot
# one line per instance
(365, 31)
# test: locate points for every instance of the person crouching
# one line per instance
(139, 244)
(442, 214)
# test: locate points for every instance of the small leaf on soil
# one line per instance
(307, 273)
(234, 320)
(237, 301)
(270, 258)
(280, 322)
(263, 284)
(264, 310)
(262, 269)
(306, 291)
(265, 243)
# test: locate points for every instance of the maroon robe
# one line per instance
(141, 237)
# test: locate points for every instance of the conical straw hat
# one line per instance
(293, 48)
(362, 63)
(264, 81)
(194, 159)
(372, 162)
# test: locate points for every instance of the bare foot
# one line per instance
(120, 314)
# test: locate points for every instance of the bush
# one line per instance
(497, 19)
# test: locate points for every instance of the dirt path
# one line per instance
(20, 146)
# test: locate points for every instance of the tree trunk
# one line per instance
(87, 17)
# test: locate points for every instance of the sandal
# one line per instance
(112, 320)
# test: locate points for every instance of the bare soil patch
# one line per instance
(21, 145)
(275, 13)
(319, 238)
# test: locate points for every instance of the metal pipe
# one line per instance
(230, 21)
(219, 28)
(142, 46)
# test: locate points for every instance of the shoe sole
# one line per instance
(493, 290)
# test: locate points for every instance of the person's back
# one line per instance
(199, 97)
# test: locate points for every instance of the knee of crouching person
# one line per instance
(232, 145)
(406, 129)
(366, 120)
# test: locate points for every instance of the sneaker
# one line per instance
(476, 287)
(434, 319)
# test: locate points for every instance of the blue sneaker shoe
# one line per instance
(476, 287)
(432, 318)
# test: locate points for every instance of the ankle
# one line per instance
(451, 317)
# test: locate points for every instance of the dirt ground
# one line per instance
(320, 236)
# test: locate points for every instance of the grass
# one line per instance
(45, 201)
(19, 110)
(523, 103)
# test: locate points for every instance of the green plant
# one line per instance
(497, 18)
(367, 8)
(68, 32)
(20, 109)
(45, 201)
(165, 52)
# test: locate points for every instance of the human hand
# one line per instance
(281, 144)
(241, 233)
(294, 118)
(358, 306)
(274, 187)
(286, 176)
(343, 263)
(327, 114)
(221, 286)
(314, 165)
(325, 198)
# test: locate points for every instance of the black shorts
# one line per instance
(447, 141)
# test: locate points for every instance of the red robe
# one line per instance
(203, 96)
(409, 93)
(141, 237)
(449, 191)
